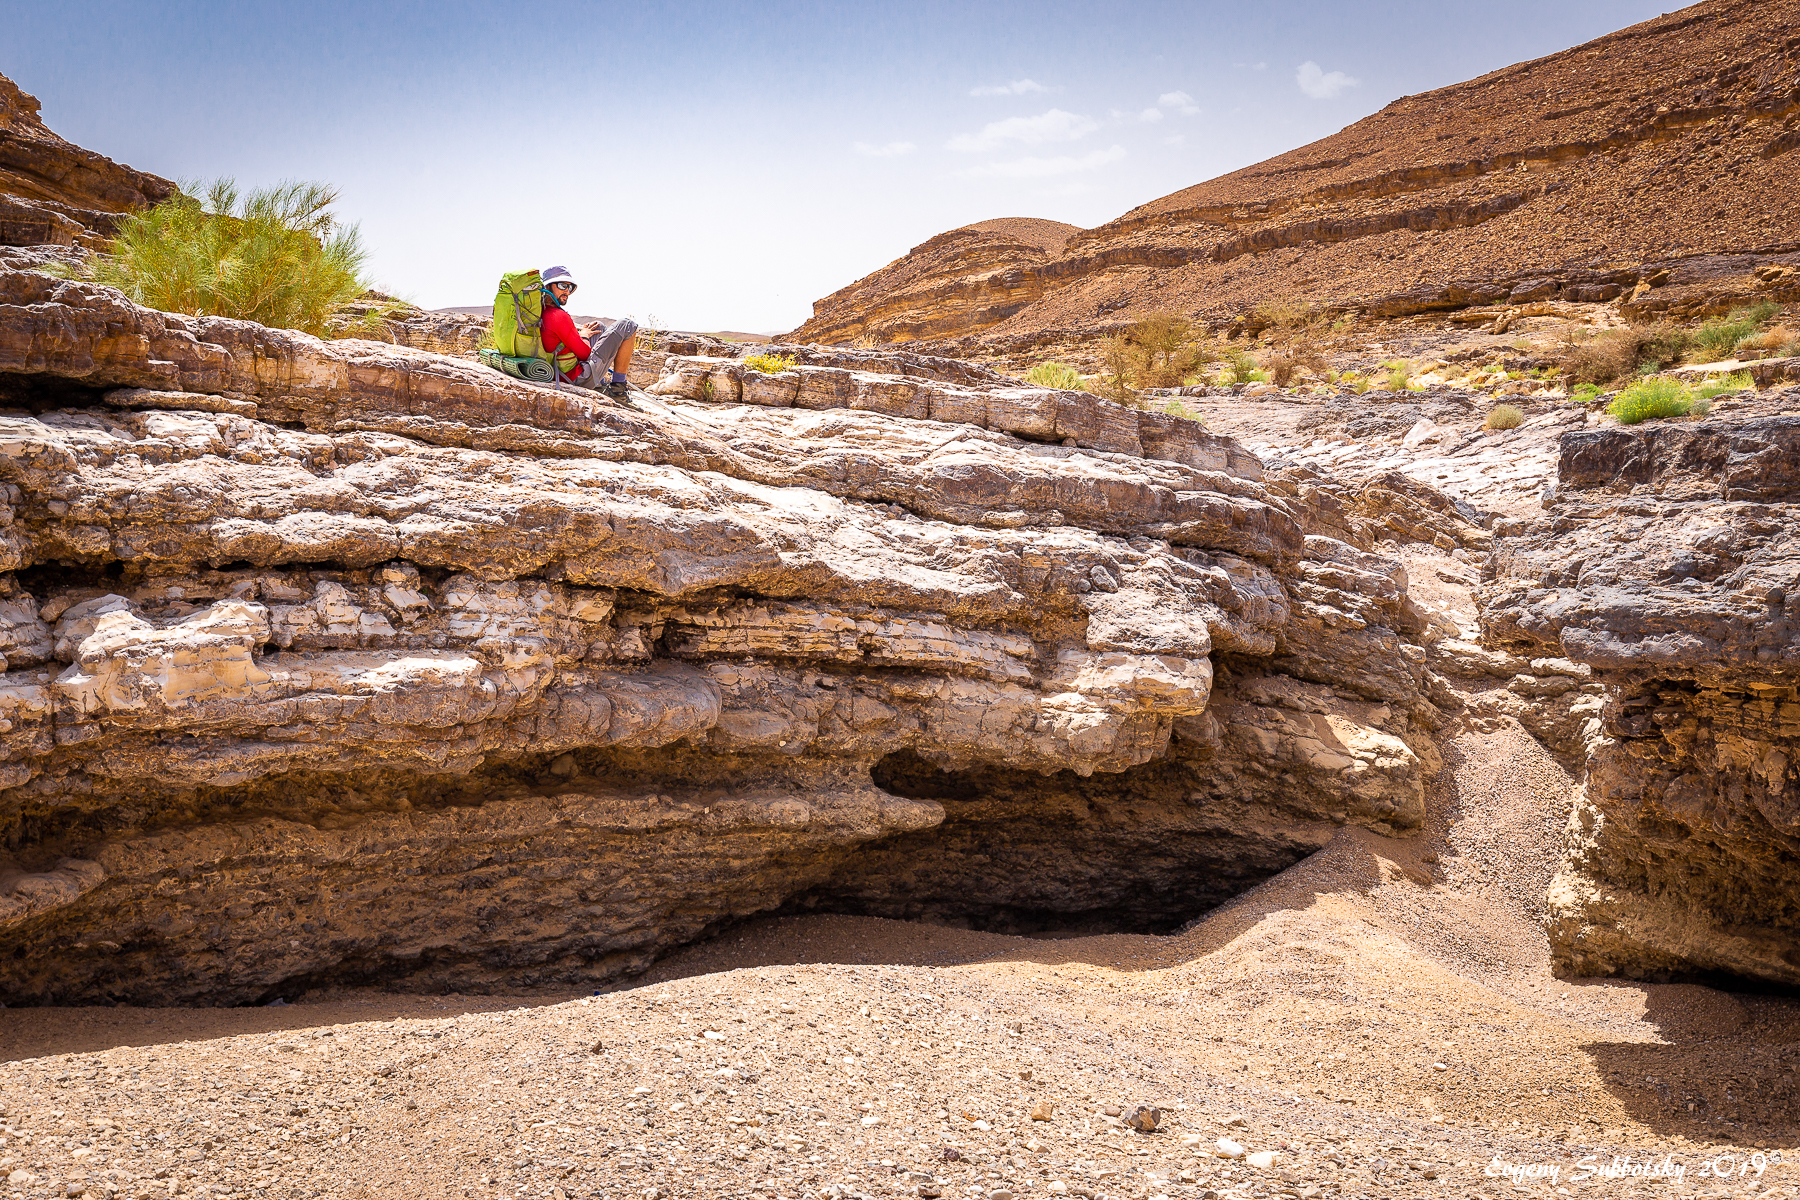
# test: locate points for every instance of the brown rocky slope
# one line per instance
(1659, 150)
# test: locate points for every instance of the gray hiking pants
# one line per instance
(604, 348)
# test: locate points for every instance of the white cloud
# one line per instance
(1181, 102)
(1150, 114)
(1018, 87)
(1053, 126)
(885, 150)
(1037, 168)
(1319, 85)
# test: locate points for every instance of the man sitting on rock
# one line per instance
(581, 356)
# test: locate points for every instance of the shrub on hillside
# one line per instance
(1168, 349)
(1648, 399)
(1056, 375)
(1720, 385)
(769, 364)
(1160, 350)
(1718, 338)
(1600, 360)
(1778, 340)
(275, 256)
(1615, 354)
(1504, 416)
(1297, 332)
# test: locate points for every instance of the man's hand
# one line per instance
(589, 329)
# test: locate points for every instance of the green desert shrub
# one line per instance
(1720, 385)
(1055, 375)
(1718, 338)
(1648, 399)
(1241, 367)
(1160, 350)
(769, 364)
(1585, 392)
(1503, 416)
(276, 256)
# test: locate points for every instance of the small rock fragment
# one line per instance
(1262, 1159)
(1144, 1118)
(1043, 1110)
(1229, 1148)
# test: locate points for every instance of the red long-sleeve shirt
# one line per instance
(563, 340)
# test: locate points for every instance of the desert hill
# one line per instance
(1578, 175)
(968, 278)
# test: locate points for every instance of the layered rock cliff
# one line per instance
(1666, 565)
(342, 660)
(53, 192)
(1657, 155)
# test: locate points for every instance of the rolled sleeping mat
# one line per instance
(537, 370)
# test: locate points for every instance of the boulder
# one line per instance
(1665, 570)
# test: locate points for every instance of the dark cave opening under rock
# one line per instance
(1022, 853)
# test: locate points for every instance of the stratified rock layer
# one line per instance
(53, 192)
(1653, 166)
(1667, 565)
(334, 660)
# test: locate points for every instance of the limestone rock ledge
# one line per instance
(330, 661)
(1667, 565)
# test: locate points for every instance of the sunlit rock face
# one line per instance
(349, 661)
(1665, 569)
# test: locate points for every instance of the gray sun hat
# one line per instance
(558, 275)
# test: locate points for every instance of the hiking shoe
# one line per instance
(618, 391)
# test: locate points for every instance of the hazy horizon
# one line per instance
(722, 168)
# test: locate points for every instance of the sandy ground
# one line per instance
(1381, 1017)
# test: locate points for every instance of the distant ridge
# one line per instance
(1563, 177)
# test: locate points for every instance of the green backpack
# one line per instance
(518, 346)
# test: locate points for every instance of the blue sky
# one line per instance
(722, 166)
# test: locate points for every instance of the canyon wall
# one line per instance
(333, 661)
(1666, 565)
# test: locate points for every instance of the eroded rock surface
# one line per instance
(343, 660)
(55, 193)
(1666, 567)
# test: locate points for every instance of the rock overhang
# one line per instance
(264, 591)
